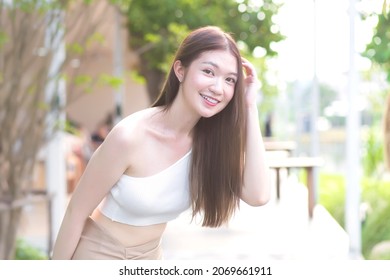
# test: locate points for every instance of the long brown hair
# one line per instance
(216, 174)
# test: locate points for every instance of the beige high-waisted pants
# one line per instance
(97, 244)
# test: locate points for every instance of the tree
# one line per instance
(28, 31)
(379, 52)
(157, 27)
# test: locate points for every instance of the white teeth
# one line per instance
(209, 99)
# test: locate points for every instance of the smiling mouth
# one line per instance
(210, 100)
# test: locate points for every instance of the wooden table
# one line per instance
(276, 145)
(307, 163)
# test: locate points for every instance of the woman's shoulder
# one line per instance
(136, 122)
(132, 128)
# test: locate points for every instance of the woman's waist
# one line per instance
(129, 235)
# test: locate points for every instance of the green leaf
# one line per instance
(95, 38)
(82, 80)
(25, 251)
(112, 81)
(152, 38)
(3, 38)
(136, 77)
(43, 106)
(75, 48)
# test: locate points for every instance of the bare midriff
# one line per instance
(129, 235)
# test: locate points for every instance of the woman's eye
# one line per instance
(208, 72)
(231, 80)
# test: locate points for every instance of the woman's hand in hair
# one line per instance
(251, 83)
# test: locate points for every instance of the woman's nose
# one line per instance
(217, 86)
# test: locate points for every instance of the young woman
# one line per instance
(199, 145)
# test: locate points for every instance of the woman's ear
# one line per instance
(179, 70)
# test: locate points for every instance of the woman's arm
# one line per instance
(256, 189)
(105, 167)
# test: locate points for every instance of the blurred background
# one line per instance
(69, 70)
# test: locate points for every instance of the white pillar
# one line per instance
(118, 66)
(55, 94)
(314, 137)
(352, 205)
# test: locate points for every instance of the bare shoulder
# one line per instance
(131, 131)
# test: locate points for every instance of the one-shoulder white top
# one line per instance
(142, 201)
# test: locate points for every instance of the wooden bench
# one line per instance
(306, 163)
(276, 146)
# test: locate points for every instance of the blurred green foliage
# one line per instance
(375, 194)
(376, 189)
(156, 29)
(373, 154)
(165, 23)
(332, 195)
(25, 251)
(378, 49)
(376, 228)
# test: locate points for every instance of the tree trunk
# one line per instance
(154, 80)
(25, 59)
(15, 175)
(386, 133)
(9, 223)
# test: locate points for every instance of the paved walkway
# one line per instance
(278, 230)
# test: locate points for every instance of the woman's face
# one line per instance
(208, 83)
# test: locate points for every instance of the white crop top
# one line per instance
(142, 201)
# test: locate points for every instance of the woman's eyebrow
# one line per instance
(216, 66)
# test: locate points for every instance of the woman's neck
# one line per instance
(178, 120)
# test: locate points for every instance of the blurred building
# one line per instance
(92, 108)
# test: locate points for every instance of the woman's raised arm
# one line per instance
(256, 189)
